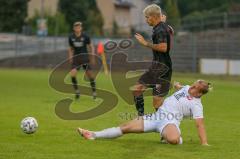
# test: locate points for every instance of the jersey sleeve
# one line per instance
(197, 110)
(171, 30)
(70, 42)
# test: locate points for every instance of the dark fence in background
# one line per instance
(15, 45)
(188, 49)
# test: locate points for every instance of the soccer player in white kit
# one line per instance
(185, 102)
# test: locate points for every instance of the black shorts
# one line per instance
(158, 78)
(78, 63)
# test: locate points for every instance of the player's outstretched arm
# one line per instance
(201, 131)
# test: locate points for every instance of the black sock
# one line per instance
(93, 84)
(74, 82)
(139, 102)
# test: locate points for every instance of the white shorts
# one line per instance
(156, 123)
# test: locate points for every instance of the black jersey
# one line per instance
(79, 44)
(161, 34)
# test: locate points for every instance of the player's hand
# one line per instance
(175, 84)
(141, 39)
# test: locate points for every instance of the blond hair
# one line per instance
(206, 86)
(77, 24)
(152, 9)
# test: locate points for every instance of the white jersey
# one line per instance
(181, 104)
(173, 110)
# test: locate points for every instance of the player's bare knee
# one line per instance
(174, 140)
(73, 73)
(89, 74)
(171, 134)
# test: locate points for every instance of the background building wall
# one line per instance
(123, 20)
(107, 10)
(137, 17)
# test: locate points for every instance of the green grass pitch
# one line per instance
(27, 93)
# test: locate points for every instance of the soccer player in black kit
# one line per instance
(79, 44)
(158, 76)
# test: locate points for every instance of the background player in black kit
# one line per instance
(158, 77)
(80, 44)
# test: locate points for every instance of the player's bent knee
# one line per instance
(73, 72)
(89, 74)
(173, 140)
(171, 134)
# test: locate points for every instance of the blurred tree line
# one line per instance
(70, 12)
(13, 16)
(200, 13)
(188, 7)
(57, 24)
(85, 11)
(195, 9)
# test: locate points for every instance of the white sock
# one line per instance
(109, 133)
